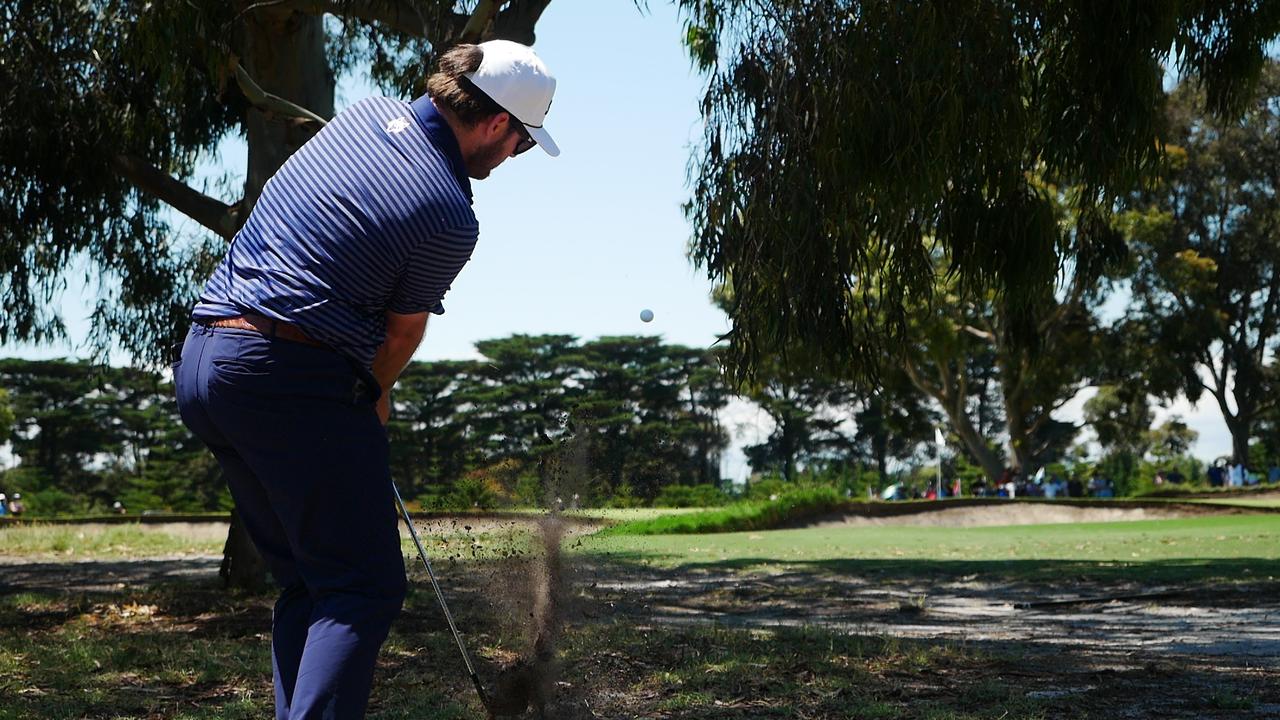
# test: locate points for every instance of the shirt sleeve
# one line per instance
(430, 270)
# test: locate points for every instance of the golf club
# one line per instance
(512, 700)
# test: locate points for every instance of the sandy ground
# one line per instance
(1013, 514)
(1239, 621)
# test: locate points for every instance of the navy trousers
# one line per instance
(295, 431)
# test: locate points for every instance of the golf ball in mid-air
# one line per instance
(646, 315)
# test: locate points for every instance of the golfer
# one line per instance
(304, 327)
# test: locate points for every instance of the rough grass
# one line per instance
(71, 542)
(38, 542)
(192, 652)
(790, 508)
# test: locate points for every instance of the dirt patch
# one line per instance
(1237, 621)
(992, 513)
(1011, 514)
(103, 576)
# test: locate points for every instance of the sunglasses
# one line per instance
(526, 140)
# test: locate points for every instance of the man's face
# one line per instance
(508, 138)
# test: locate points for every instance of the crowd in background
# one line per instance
(11, 506)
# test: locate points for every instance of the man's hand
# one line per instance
(404, 332)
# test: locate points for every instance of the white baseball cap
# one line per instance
(517, 80)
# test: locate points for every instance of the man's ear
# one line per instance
(496, 125)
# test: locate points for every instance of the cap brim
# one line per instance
(543, 138)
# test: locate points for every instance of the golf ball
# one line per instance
(646, 315)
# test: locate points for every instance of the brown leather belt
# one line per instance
(267, 326)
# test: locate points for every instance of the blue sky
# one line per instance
(580, 244)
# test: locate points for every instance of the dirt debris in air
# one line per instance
(533, 588)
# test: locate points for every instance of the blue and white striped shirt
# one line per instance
(372, 214)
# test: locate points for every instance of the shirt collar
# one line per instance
(441, 135)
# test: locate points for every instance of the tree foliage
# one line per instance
(110, 105)
(848, 142)
(1207, 283)
(91, 436)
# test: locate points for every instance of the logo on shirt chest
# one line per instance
(397, 125)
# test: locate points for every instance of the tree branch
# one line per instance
(980, 334)
(518, 20)
(212, 213)
(270, 103)
(919, 380)
(397, 17)
(480, 18)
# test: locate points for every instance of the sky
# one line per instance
(582, 243)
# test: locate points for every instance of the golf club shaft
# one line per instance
(448, 616)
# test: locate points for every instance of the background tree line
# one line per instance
(534, 420)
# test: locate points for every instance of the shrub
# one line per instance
(624, 497)
(791, 508)
(51, 502)
(685, 496)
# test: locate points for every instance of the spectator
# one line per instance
(16, 507)
(1101, 487)
(1273, 474)
(1075, 488)
(4, 505)
(117, 507)
(1235, 475)
(1175, 477)
(1216, 475)
(1050, 488)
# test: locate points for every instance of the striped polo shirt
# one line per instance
(372, 214)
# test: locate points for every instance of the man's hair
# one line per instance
(448, 87)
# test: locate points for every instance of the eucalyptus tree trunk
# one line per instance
(285, 56)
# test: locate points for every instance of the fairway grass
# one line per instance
(1237, 545)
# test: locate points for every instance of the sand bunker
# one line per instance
(1019, 513)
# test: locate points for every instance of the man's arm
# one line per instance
(404, 333)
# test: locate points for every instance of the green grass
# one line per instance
(74, 542)
(624, 515)
(1242, 546)
(97, 541)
